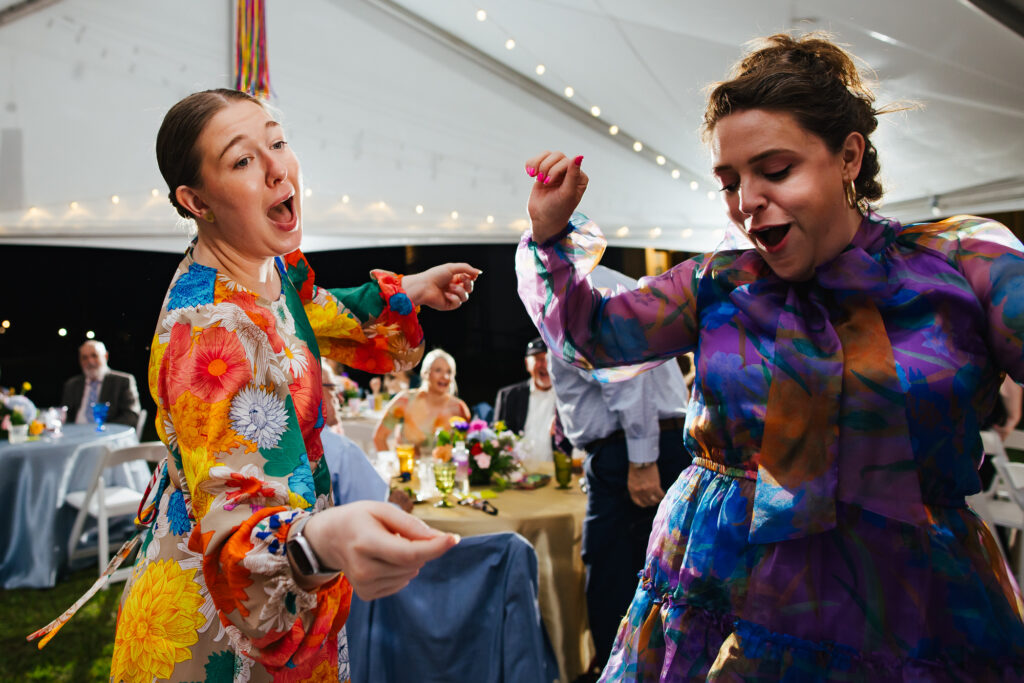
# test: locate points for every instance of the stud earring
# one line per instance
(208, 216)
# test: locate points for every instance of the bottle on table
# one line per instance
(460, 456)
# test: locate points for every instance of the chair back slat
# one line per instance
(150, 451)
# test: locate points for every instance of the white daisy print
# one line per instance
(259, 416)
(293, 357)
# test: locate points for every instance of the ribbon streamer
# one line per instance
(252, 73)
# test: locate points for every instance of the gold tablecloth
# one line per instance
(552, 521)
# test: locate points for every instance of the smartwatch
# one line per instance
(301, 552)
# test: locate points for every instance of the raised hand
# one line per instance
(443, 288)
(558, 188)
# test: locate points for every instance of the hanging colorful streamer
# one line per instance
(252, 74)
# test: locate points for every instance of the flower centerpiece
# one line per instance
(494, 456)
(15, 409)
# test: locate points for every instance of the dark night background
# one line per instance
(117, 294)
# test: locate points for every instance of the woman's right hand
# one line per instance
(559, 187)
(378, 547)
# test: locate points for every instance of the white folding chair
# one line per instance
(1003, 503)
(103, 502)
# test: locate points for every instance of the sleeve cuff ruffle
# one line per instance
(398, 307)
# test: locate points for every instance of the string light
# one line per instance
(510, 44)
(569, 92)
(623, 231)
(686, 233)
(490, 220)
(345, 199)
(73, 206)
(711, 195)
(675, 174)
(114, 199)
(455, 215)
(655, 231)
(5, 324)
(694, 185)
(595, 110)
(660, 160)
(308, 192)
(540, 69)
(481, 15)
(154, 192)
(613, 130)
(90, 335)
(638, 146)
(419, 208)
(62, 332)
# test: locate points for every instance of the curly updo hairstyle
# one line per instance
(814, 80)
(176, 152)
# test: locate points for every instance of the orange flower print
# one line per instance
(248, 487)
(175, 371)
(372, 359)
(219, 365)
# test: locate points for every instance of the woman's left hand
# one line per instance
(443, 288)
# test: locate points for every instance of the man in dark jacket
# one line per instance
(529, 406)
(99, 384)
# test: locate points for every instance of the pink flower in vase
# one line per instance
(477, 424)
(483, 461)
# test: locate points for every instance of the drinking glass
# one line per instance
(444, 478)
(99, 414)
(406, 460)
(563, 469)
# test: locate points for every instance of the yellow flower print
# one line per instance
(196, 463)
(329, 320)
(158, 623)
(198, 423)
(156, 357)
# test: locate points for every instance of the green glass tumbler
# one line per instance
(563, 469)
(444, 478)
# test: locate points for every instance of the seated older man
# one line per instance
(99, 384)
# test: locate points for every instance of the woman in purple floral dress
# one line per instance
(843, 367)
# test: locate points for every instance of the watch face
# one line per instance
(298, 554)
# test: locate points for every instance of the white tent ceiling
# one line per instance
(392, 104)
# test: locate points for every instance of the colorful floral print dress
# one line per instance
(821, 533)
(236, 381)
(410, 411)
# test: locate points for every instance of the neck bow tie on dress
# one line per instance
(832, 372)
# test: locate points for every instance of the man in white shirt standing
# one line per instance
(529, 406)
(99, 384)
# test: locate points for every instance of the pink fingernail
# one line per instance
(547, 180)
(531, 171)
(578, 160)
(541, 177)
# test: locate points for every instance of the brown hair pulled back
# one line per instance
(176, 152)
(817, 82)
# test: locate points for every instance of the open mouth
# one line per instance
(771, 237)
(282, 212)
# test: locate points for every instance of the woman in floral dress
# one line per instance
(218, 593)
(843, 367)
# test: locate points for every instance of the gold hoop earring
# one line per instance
(850, 193)
(209, 217)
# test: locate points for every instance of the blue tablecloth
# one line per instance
(35, 477)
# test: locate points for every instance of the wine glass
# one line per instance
(444, 478)
(99, 414)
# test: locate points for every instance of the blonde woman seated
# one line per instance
(414, 414)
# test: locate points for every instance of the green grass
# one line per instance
(79, 653)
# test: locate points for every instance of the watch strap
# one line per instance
(302, 554)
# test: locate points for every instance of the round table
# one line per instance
(35, 477)
(552, 521)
